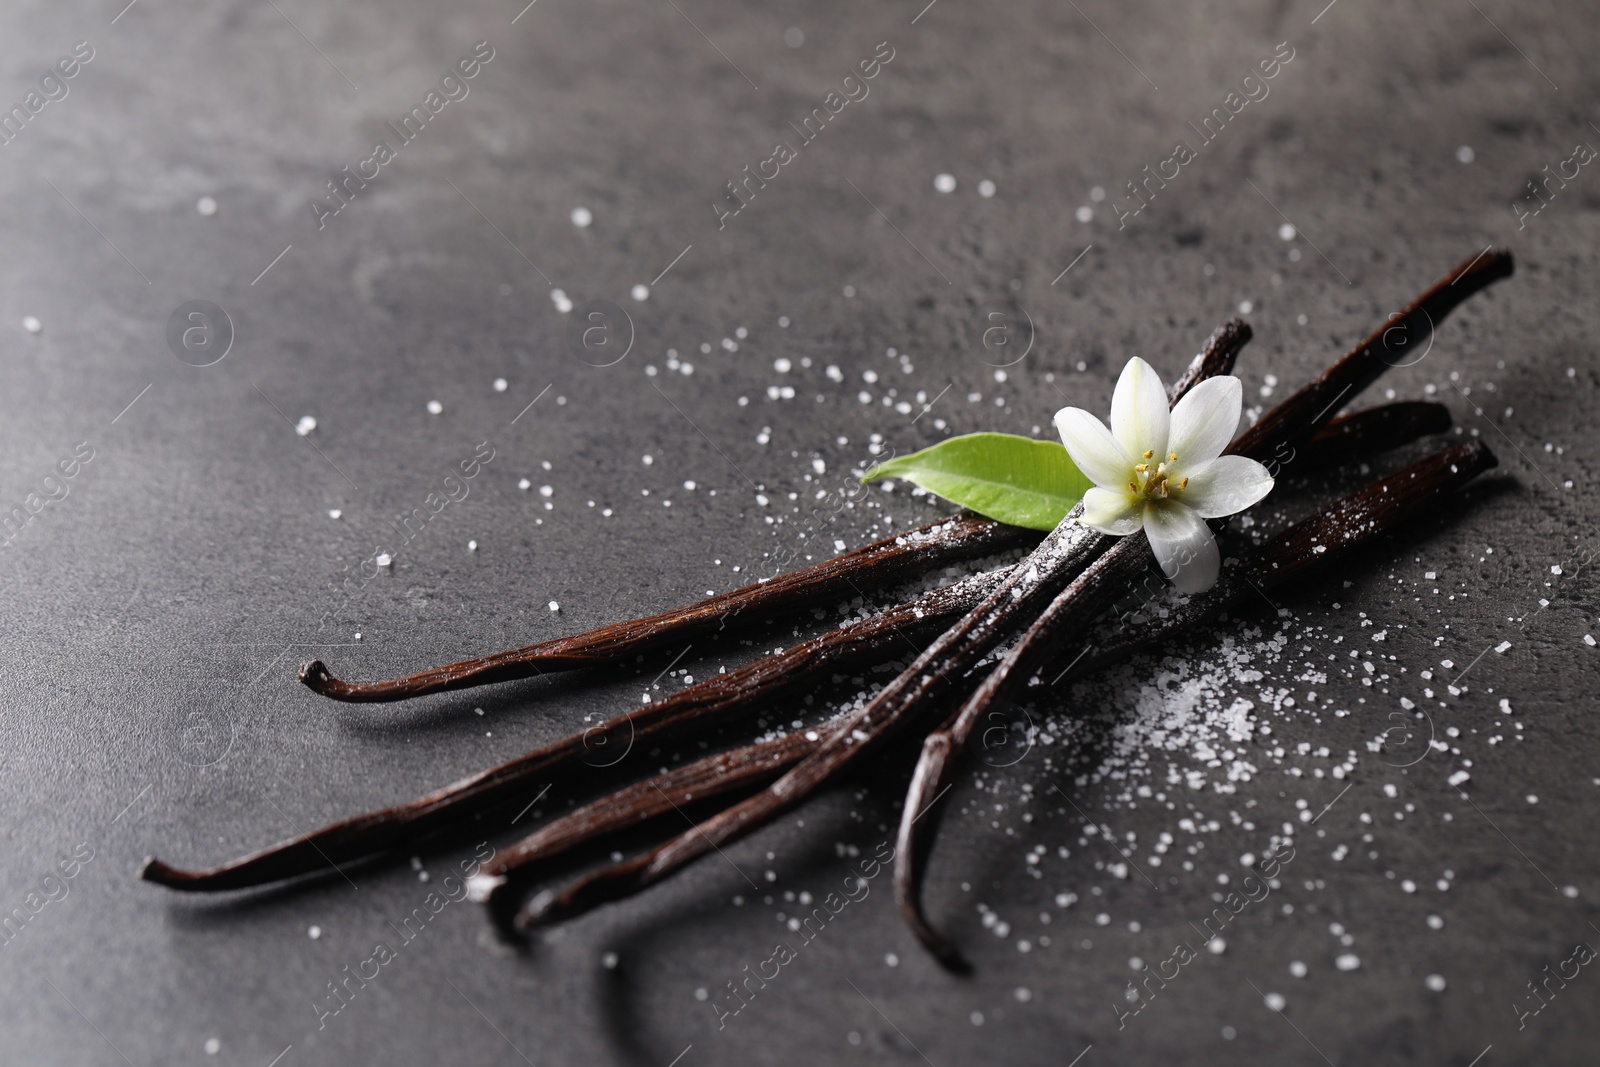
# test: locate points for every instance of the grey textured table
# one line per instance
(160, 598)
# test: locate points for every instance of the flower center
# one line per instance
(1159, 481)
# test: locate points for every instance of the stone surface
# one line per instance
(158, 609)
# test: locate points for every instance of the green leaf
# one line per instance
(1007, 478)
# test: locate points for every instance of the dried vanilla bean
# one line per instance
(878, 564)
(367, 834)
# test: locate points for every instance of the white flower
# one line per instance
(1165, 471)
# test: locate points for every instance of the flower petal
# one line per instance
(1093, 449)
(1111, 512)
(1204, 421)
(1139, 412)
(1226, 485)
(1183, 546)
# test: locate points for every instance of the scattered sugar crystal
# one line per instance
(213, 1046)
(32, 325)
(1434, 982)
(435, 408)
(945, 183)
(986, 188)
(1502, 646)
(305, 425)
(1435, 923)
(206, 205)
(384, 559)
(640, 292)
(581, 217)
(1297, 968)
(1347, 961)
(314, 932)
(1276, 1001)
(1286, 232)
(334, 513)
(609, 961)
(554, 606)
(500, 385)
(1465, 154)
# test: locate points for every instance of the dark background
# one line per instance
(156, 614)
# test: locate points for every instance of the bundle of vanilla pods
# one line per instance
(1052, 612)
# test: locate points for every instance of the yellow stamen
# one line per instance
(1149, 453)
(1184, 484)
(1172, 457)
